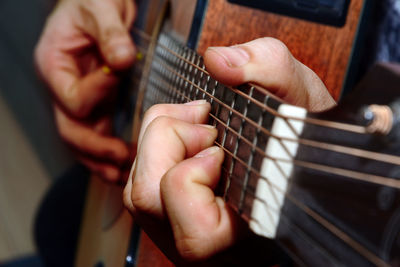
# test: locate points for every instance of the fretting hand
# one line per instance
(84, 44)
(170, 190)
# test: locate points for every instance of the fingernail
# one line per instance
(235, 56)
(120, 52)
(207, 152)
(196, 102)
(206, 126)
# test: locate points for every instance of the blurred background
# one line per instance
(32, 155)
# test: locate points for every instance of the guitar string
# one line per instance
(321, 220)
(283, 218)
(318, 218)
(376, 179)
(322, 145)
(337, 125)
(324, 222)
(375, 156)
(358, 247)
(352, 174)
(330, 124)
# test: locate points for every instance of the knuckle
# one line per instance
(139, 200)
(126, 197)
(155, 112)
(277, 48)
(190, 248)
(80, 111)
(161, 122)
(75, 106)
(63, 129)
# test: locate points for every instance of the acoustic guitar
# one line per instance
(324, 187)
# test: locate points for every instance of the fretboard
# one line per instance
(178, 75)
(261, 141)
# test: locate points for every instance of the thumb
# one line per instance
(111, 33)
(201, 222)
(268, 63)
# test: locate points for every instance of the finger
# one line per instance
(192, 112)
(58, 57)
(268, 63)
(166, 142)
(105, 23)
(79, 96)
(94, 144)
(106, 171)
(129, 13)
(202, 223)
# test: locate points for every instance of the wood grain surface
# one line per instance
(325, 49)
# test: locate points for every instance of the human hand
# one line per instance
(170, 189)
(83, 46)
(268, 63)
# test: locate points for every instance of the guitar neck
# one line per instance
(261, 137)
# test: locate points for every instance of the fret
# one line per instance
(251, 154)
(191, 74)
(196, 78)
(255, 160)
(181, 68)
(183, 85)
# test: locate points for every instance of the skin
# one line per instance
(170, 188)
(79, 39)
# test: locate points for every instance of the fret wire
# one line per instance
(206, 85)
(322, 145)
(382, 180)
(195, 75)
(241, 200)
(236, 179)
(172, 76)
(183, 85)
(330, 124)
(336, 231)
(179, 63)
(215, 86)
(227, 185)
(201, 79)
(253, 150)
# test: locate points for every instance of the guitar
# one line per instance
(308, 181)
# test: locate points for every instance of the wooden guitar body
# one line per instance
(169, 72)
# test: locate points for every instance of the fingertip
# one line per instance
(208, 152)
(220, 69)
(121, 56)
